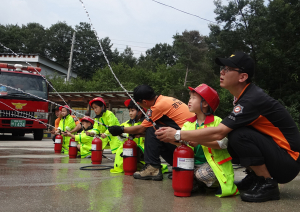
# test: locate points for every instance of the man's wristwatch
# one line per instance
(177, 135)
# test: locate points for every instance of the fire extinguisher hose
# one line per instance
(96, 167)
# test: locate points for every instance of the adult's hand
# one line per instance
(193, 143)
(166, 134)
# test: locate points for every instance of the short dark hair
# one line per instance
(143, 92)
(100, 104)
(132, 106)
(56, 108)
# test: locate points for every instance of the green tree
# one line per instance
(159, 54)
(10, 36)
(34, 39)
(191, 49)
(270, 34)
(127, 57)
(59, 37)
(88, 56)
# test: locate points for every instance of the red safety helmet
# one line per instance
(208, 94)
(97, 99)
(67, 107)
(86, 118)
(128, 101)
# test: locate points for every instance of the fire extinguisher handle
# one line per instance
(131, 136)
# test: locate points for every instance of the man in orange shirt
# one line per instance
(164, 111)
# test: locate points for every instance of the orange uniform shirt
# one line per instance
(168, 111)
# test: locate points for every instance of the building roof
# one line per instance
(114, 99)
(35, 58)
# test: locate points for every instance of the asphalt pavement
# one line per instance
(33, 178)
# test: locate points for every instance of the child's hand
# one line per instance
(68, 134)
(103, 135)
(90, 133)
(192, 143)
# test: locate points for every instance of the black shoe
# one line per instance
(246, 183)
(198, 185)
(262, 190)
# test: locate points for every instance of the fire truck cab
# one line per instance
(23, 105)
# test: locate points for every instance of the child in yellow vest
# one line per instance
(212, 162)
(84, 141)
(103, 119)
(136, 118)
(66, 123)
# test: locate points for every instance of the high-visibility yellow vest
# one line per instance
(85, 142)
(219, 160)
(108, 119)
(68, 121)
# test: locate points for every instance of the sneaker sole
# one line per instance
(247, 199)
(155, 178)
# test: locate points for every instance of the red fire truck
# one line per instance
(18, 110)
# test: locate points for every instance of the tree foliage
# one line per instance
(270, 34)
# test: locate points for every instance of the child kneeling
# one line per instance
(66, 123)
(136, 118)
(84, 141)
(212, 161)
(103, 119)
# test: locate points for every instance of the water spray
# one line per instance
(108, 63)
(20, 90)
(38, 73)
(20, 115)
(35, 70)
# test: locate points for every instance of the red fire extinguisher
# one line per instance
(72, 148)
(129, 157)
(183, 171)
(58, 143)
(96, 151)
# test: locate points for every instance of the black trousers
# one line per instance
(155, 148)
(250, 147)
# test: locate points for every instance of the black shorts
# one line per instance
(250, 147)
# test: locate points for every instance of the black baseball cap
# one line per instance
(143, 92)
(238, 60)
(56, 107)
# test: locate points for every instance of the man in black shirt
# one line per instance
(262, 135)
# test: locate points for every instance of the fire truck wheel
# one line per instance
(15, 134)
(38, 135)
(22, 134)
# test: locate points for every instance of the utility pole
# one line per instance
(71, 56)
(186, 75)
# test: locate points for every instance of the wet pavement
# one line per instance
(33, 178)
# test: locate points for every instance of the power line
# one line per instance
(131, 41)
(131, 46)
(185, 12)
(131, 50)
